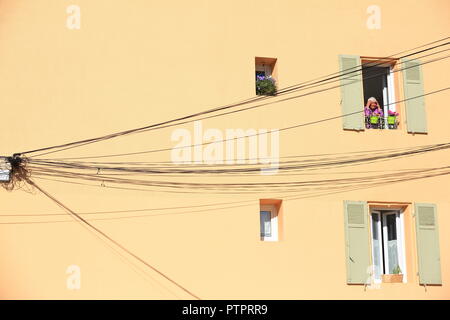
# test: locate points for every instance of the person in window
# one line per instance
(372, 108)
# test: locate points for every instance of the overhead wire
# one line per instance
(39, 167)
(106, 236)
(244, 187)
(428, 173)
(262, 133)
(135, 130)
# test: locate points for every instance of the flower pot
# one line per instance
(391, 119)
(374, 119)
(392, 278)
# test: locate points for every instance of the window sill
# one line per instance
(269, 240)
(392, 278)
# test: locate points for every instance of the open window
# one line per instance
(388, 245)
(378, 83)
(265, 76)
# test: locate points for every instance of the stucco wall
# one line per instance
(134, 63)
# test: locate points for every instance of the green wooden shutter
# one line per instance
(352, 99)
(416, 117)
(356, 242)
(427, 237)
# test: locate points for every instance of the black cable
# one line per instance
(110, 136)
(288, 198)
(252, 135)
(196, 185)
(282, 129)
(79, 218)
(286, 166)
(268, 103)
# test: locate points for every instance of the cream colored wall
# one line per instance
(134, 63)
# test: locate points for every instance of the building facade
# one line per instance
(363, 214)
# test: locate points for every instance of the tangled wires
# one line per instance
(19, 173)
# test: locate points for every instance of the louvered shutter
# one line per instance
(427, 237)
(356, 241)
(352, 99)
(416, 118)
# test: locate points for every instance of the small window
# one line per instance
(268, 217)
(4, 175)
(5, 170)
(378, 83)
(265, 76)
(388, 255)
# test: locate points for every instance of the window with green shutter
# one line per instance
(356, 241)
(365, 78)
(388, 245)
(427, 237)
(378, 82)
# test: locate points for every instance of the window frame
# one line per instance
(380, 244)
(270, 68)
(273, 222)
(400, 228)
(390, 96)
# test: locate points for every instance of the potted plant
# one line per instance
(265, 86)
(374, 119)
(392, 117)
(395, 277)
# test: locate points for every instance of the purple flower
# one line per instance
(261, 78)
(392, 113)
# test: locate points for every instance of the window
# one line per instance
(265, 76)
(268, 217)
(4, 175)
(385, 224)
(5, 170)
(388, 249)
(378, 82)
